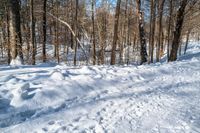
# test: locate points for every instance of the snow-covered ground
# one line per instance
(157, 98)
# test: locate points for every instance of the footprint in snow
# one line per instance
(77, 119)
(61, 129)
(36, 83)
(45, 129)
(51, 122)
(140, 78)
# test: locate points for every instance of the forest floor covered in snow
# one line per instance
(156, 98)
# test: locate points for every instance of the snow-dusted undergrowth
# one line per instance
(163, 98)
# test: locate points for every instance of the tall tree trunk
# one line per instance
(103, 40)
(15, 29)
(57, 36)
(76, 31)
(93, 34)
(152, 30)
(124, 36)
(169, 28)
(160, 12)
(162, 44)
(2, 44)
(102, 33)
(44, 30)
(8, 35)
(128, 29)
(72, 24)
(54, 39)
(115, 37)
(178, 29)
(143, 51)
(32, 30)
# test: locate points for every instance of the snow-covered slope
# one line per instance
(157, 98)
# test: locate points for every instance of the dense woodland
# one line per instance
(97, 32)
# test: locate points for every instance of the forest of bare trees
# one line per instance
(97, 32)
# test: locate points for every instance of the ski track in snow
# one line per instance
(157, 98)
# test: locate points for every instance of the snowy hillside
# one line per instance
(157, 98)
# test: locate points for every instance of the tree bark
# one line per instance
(160, 16)
(44, 30)
(15, 29)
(169, 28)
(32, 30)
(152, 30)
(8, 35)
(76, 31)
(143, 51)
(115, 37)
(178, 29)
(103, 37)
(93, 34)
(57, 35)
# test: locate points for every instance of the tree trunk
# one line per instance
(103, 37)
(115, 37)
(152, 30)
(57, 36)
(178, 29)
(32, 30)
(76, 31)
(128, 29)
(15, 29)
(2, 44)
(169, 28)
(143, 51)
(8, 35)
(162, 42)
(72, 24)
(93, 34)
(44, 30)
(160, 12)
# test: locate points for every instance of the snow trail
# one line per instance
(156, 98)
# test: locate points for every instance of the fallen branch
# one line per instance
(73, 33)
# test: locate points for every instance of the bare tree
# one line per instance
(160, 16)
(152, 30)
(115, 37)
(15, 29)
(143, 51)
(8, 35)
(93, 33)
(178, 29)
(44, 21)
(169, 27)
(76, 32)
(32, 30)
